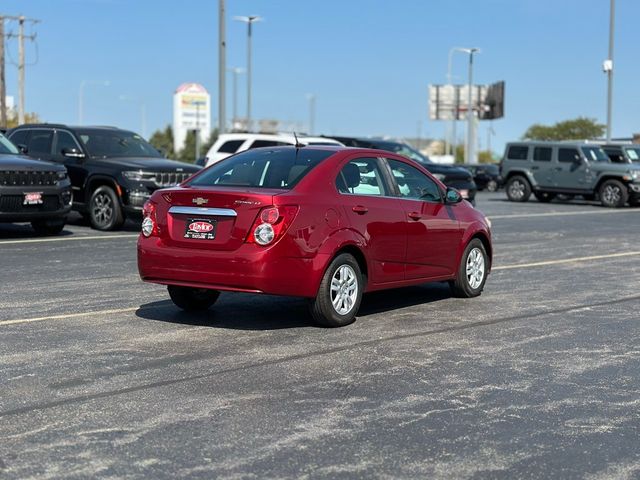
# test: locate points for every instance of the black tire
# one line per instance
(48, 227)
(346, 268)
(492, 186)
(545, 197)
(192, 299)
(462, 286)
(105, 212)
(518, 189)
(613, 194)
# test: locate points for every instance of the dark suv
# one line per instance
(452, 176)
(32, 191)
(113, 172)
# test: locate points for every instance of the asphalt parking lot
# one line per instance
(101, 376)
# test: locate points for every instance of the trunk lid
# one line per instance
(213, 218)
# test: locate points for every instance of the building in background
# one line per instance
(191, 111)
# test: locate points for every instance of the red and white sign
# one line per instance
(200, 227)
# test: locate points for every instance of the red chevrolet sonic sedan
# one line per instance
(325, 223)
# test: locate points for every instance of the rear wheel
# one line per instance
(105, 212)
(340, 293)
(613, 194)
(48, 227)
(492, 186)
(472, 271)
(518, 189)
(192, 299)
(545, 197)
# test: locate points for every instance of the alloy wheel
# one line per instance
(475, 268)
(611, 194)
(102, 209)
(516, 189)
(344, 289)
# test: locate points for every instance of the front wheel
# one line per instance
(105, 212)
(472, 271)
(613, 194)
(192, 299)
(340, 293)
(48, 227)
(518, 189)
(492, 186)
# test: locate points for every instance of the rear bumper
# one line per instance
(248, 269)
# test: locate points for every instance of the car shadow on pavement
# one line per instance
(130, 225)
(18, 231)
(237, 311)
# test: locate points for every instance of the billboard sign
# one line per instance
(191, 111)
(449, 102)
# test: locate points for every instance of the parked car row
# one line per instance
(548, 169)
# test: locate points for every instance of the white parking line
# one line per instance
(500, 267)
(68, 239)
(562, 214)
(565, 260)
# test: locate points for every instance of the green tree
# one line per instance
(580, 128)
(163, 140)
(484, 156)
(188, 152)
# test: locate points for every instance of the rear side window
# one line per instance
(40, 142)
(615, 155)
(230, 146)
(517, 152)
(542, 154)
(278, 168)
(568, 155)
(361, 177)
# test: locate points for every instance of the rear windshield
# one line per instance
(262, 168)
(595, 154)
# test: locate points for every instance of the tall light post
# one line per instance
(312, 112)
(83, 83)
(222, 67)
(235, 71)
(468, 154)
(249, 20)
(608, 68)
(454, 117)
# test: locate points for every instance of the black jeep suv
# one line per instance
(451, 175)
(32, 191)
(113, 172)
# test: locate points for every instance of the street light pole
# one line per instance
(236, 71)
(469, 156)
(222, 68)
(249, 20)
(609, 69)
(312, 112)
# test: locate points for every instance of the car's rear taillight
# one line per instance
(271, 224)
(149, 220)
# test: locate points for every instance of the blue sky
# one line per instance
(368, 61)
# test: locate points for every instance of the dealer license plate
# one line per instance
(200, 229)
(32, 198)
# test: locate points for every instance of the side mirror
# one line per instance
(452, 196)
(23, 148)
(72, 153)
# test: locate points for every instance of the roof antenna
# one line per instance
(298, 144)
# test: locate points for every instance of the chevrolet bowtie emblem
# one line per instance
(200, 201)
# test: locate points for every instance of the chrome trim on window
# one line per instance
(217, 212)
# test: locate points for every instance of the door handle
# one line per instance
(360, 209)
(535, 168)
(415, 216)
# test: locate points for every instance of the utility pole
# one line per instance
(21, 62)
(608, 68)
(222, 68)
(3, 88)
(249, 20)
(312, 112)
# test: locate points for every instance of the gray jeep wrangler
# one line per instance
(548, 169)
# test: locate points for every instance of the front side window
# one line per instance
(633, 153)
(361, 177)
(568, 155)
(278, 168)
(542, 154)
(40, 142)
(517, 152)
(65, 142)
(19, 137)
(615, 155)
(595, 154)
(414, 184)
